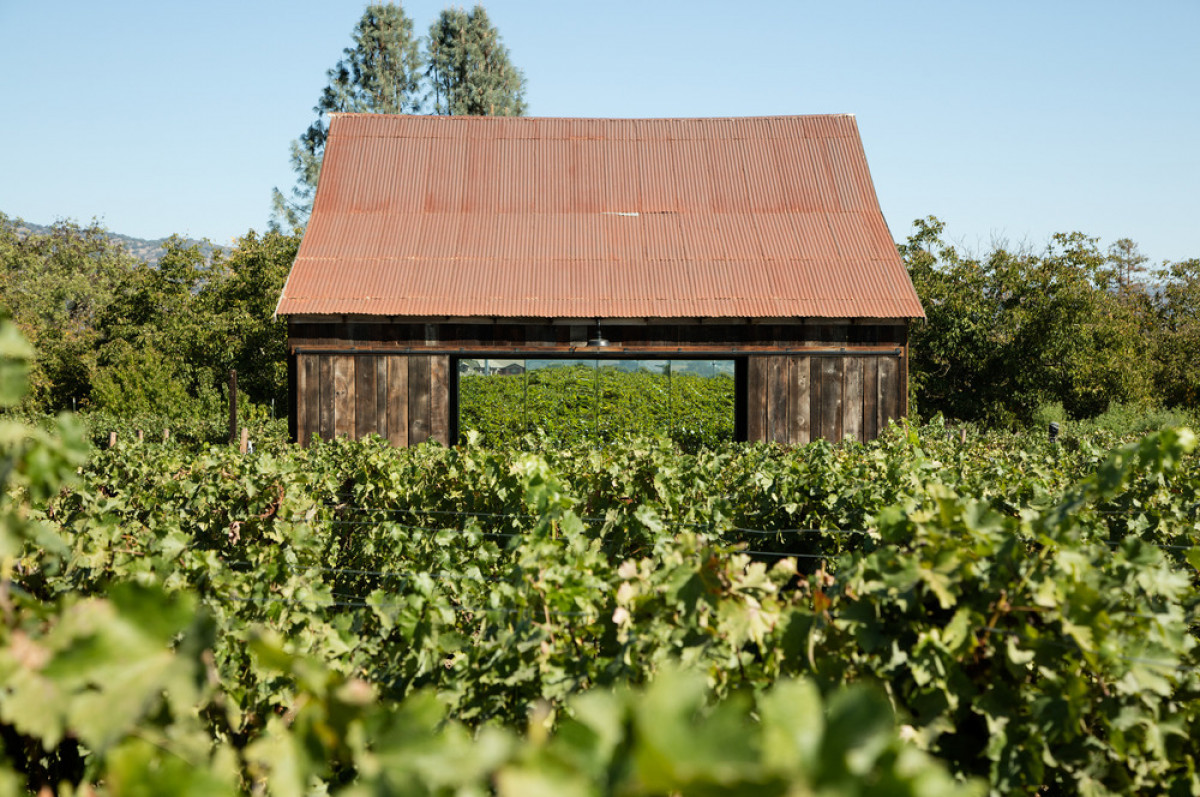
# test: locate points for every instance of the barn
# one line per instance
(438, 245)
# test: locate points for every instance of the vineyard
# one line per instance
(580, 405)
(919, 615)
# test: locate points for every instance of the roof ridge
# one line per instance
(518, 119)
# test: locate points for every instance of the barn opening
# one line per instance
(597, 400)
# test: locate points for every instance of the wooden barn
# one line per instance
(438, 244)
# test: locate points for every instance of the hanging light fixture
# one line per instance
(599, 341)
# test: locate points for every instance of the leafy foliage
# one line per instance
(1178, 334)
(56, 286)
(379, 74)
(118, 676)
(579, 405)
(469, 70)
(1010, 331)
(461, 617)
(137, 339)
(1014, 331)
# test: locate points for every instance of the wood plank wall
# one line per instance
(364, 378)
(794, 399)
(402, 398)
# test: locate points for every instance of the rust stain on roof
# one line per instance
(582, 218)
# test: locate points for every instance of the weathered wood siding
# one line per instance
(400, 397)
(794, 399)
(802, 381)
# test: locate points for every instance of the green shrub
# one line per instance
(1119, 421)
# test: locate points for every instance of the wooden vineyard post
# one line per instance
(233, 419)
(245, 441)
(112, 439)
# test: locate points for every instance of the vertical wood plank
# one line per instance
(309, 392)
(839, 381)
(756, 399)
(902, 408)
(777, 399)
(852, 399)
(343, 396)
(364, 396)
(870, 398)
(814, 402)
(831, 397)
(439, 398)
(889, 384)
(300, 407)
(381, 394)
(397, 400)
(325, 396)
(418, 399)
(799, 379)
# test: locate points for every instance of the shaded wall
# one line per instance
(404, 398)
(796, 399)
(796, 382)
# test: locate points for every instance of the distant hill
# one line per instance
(149, 250)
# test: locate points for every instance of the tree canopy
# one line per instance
(119, 334)
(56, 286)
(469, 70)
(1010, 331)
(464, 69)
(381, 73)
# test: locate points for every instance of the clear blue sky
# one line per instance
(1009, 120)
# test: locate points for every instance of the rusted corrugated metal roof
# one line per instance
(597, 218)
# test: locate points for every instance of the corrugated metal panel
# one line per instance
(567, 289)
(475, 216)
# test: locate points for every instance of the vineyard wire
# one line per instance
(737, 529)
(545, 611)
(364, 605)
(584, 518)
(408, 574)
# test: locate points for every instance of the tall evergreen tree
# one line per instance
(381, 73)
(469, 70)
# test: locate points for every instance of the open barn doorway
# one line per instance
(597, 401)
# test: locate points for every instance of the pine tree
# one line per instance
(469, 70)
(381, 73)
(1127, 265)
